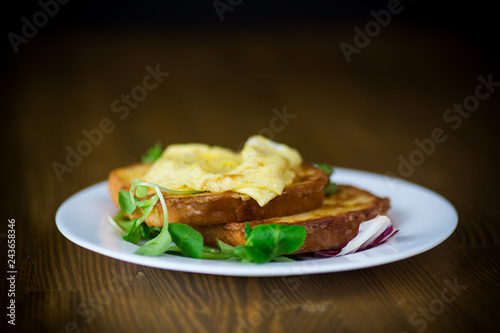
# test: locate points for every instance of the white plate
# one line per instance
(424, 220)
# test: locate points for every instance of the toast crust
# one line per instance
(333, 224)
(304, 194)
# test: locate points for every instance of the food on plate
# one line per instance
(306, 192)
(255, 205)
(333, 224)
(261, 170)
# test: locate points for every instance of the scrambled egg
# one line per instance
(261, 170)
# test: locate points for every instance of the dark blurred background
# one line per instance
(262, 55)
(477, 22)
(230, 79)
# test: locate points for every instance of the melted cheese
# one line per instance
(261, 170)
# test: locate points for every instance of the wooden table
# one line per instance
(223, 86)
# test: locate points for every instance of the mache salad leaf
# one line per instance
(152, 154)
(330, 186)
(263, 243)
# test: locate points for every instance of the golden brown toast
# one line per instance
(304, 194)
(333, 224)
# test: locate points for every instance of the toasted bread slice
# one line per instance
(333, 224)
(304, 194)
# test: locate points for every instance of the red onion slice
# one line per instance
(371, 233)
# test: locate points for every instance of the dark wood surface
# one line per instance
(222, 87)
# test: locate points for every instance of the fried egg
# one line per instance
(261, 170)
